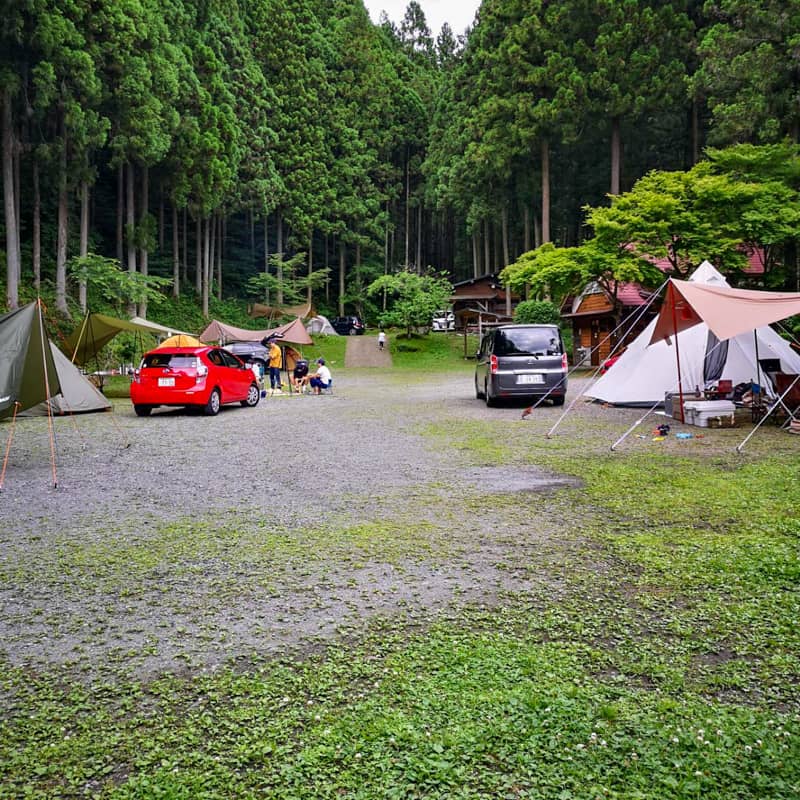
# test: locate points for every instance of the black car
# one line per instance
(521, 361)
(348, 326)
(250, 353)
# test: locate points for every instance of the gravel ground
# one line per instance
(179, 542)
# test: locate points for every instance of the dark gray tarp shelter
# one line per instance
(28, 374)
(78, 394)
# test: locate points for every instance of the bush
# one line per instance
(537, 312)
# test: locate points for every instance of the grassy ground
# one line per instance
(665, 664)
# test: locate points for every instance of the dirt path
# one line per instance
(362, 351)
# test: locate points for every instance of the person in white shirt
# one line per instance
(381, 340)
(321, 379)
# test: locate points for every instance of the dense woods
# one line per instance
(291, 150)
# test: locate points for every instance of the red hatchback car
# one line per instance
(204, 377)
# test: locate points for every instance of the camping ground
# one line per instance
(396, 592)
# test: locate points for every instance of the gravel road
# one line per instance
(179, 542)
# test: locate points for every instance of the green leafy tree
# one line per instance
(413, 298)
(748, 70)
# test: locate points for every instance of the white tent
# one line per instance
(644, 374)
(78, 395)
(322, 325)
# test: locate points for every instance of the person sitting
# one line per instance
(321, 379)
(298, 374)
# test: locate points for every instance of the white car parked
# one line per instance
(443, 321)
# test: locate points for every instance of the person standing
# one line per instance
(381, 340)
(275, 365)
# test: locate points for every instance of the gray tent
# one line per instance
(28, 374)
(78, 395)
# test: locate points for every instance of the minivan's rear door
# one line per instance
(528, 357)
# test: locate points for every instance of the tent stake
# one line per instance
(636, 424)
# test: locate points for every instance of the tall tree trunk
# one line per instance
(418, 258)
(130, 225)
(342, 267)
(526, 224)
(206, 263)
(310, 266)
(266, 255)
(176, 256)
(212, 253)
(161, 216)
(9, 202)
(476, 254)
(198, 256)
(487, 257)
(185, 268)
(18, 199)
(695, 132)
(616, 156)
(252, 237)
(63, 227)
(121, 214)
(220, 255)
(506, 260)
(84, 240)
(545, 190)
(279, 275)
(408, 206)
(328, 277)
(385, 255)
(144, 265)
(37, 228)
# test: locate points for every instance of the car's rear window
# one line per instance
(527, 341)
(173, 360)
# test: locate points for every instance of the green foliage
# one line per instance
(412, 298)
(537, 312)
(109, 283)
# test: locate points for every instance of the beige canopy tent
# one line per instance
(291, 333)
(261, 310)
(97, 330)
(727, 312)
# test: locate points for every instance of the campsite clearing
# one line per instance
(453, 603)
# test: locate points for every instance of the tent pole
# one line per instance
(80, 337)
(677, 355)
(46, 343)
(764, 418)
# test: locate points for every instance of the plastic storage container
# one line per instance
(701, 412)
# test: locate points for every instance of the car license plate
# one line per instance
(530, 378)
(166, 381)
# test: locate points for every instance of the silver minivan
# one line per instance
(521, 361)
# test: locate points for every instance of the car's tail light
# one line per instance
(493, 364)
(137, 376)
(202, 371)
(563, 361)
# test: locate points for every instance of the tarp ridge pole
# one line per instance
(677, 354)
(8, 445)
(80, 337)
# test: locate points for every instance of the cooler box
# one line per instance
(709, 413)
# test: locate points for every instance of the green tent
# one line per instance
(28, 374)
(97, 330)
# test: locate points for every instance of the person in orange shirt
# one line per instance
(275, 365)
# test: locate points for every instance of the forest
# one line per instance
(291, 150)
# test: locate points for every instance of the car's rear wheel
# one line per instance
(478, 393)
(142, 411)
(558, 400)
(213, 405)
(253, 396)
(491, 401)
(352, 331)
